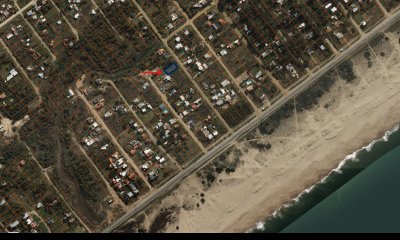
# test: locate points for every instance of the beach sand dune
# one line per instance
(305, 148)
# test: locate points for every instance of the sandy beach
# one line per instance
(305, 148)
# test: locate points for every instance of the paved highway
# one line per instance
(229, 141)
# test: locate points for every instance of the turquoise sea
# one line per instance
(361, 195)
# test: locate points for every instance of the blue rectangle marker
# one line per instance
(170, 69)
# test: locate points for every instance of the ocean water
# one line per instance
(361, 195)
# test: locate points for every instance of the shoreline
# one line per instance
(248, 224)
(316, 178)
(260, 224)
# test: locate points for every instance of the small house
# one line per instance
(70, 93)
(22, 163)
(225, 83)
(14, 225)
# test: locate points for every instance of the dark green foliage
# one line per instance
(346, 71)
